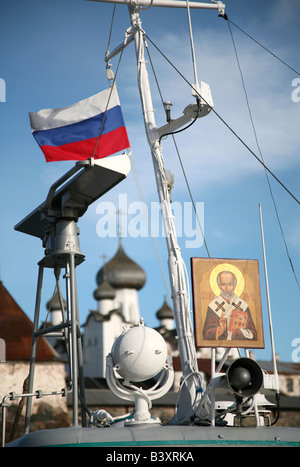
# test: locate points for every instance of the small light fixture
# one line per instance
(167, 106)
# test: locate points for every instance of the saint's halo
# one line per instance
(230, 268)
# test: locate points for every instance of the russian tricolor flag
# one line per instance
(93, 127)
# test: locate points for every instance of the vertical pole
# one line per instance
(4, 406)
(213, 398)
(213, 361)
(192, 46)
(256, 413)
(61, 302)
(69, 320)
(34, 346)
(74, 339)
(269, 303)
(80, 361)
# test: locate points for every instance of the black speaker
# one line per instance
(244, 377)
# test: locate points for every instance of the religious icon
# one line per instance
(227, 303)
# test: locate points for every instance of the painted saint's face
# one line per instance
(227, 284)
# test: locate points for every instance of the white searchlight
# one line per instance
(139, 354)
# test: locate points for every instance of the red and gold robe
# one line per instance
(239, 324)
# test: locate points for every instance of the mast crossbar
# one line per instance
(168, 4)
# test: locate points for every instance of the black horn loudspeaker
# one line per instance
(244, 377)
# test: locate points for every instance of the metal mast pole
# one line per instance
(268, 302)
(175, 262)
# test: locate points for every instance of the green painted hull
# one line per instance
(160, 436)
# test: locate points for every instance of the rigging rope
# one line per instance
(188, 186)
(222, 119)
(107, 104)
(260, 152)
(114, 77)
(110, 31)
(258, 43)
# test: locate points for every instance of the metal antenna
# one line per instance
(268, 301)
(192, 46)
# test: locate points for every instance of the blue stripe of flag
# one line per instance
(83, 130)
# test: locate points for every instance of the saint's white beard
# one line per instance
(227, 296)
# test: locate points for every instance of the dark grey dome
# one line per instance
(165, 312)
(104, 291)
(122, 272)
(54, 303)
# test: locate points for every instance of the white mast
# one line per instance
(191, 380)
(176, 269)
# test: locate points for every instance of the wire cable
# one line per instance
(258, 43)
(110, 31)
(191, 196)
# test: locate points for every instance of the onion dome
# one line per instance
(54, 303)
(122, 272)
(165, 312)
(104, 291)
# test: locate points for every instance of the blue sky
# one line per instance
(52, 55)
